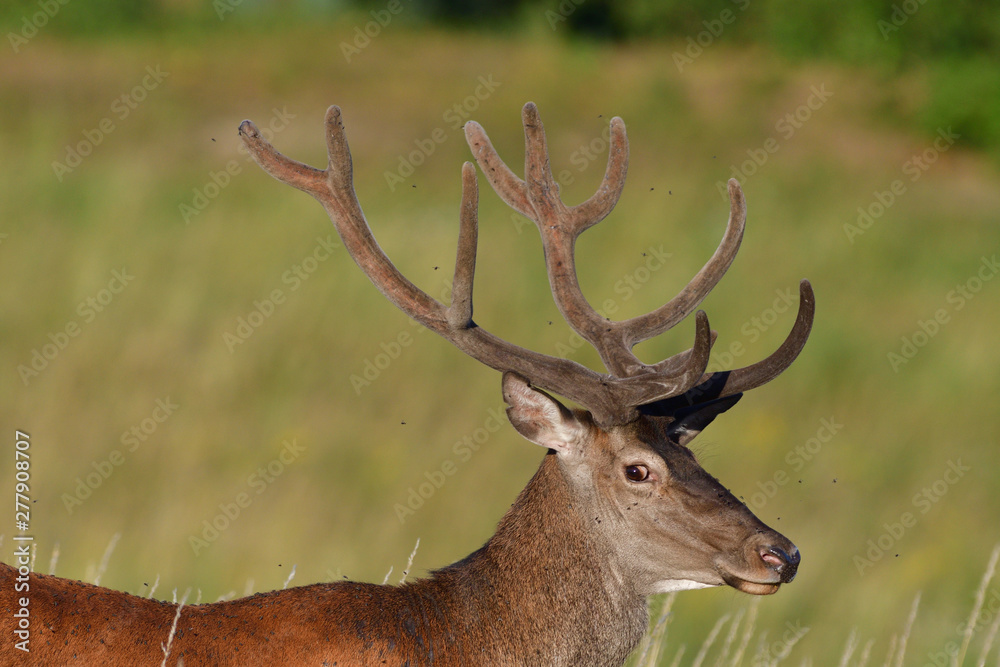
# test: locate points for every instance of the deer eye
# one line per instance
(637, 473)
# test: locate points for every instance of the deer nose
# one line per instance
(784, 563)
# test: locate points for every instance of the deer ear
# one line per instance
(540, 418)
(691, 421)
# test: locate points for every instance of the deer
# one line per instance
(618, 510)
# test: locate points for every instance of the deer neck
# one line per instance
(547, 584)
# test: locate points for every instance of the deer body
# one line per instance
(618, 510)
(540, 592)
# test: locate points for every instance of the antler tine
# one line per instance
(340, 165)
(600, 204)
(728, 383)
(505, 183)
(288, 171)
(540, 186)
(674, 365)
(460, 312)
(334, 189)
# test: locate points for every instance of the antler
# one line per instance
(612, 398)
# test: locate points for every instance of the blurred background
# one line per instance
(206, 375)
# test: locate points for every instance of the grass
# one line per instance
(742, 631)
(363, 451)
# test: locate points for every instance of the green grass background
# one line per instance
(332, 512)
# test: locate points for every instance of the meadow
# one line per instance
(213, 388)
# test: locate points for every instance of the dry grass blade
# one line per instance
(906, 630)
(892, 651)
(173, 630)
(54, 559)
(102, 568)
(866, 653)
(409, 563)
(747, 632)
(291, 575)
(152, 589)
(852, 644)
(709, 640)
(730, 638)
(991, 635)
(977, 607)
(677, 658)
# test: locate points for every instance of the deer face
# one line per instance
(667, 523)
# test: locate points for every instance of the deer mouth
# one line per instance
(750, 587)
